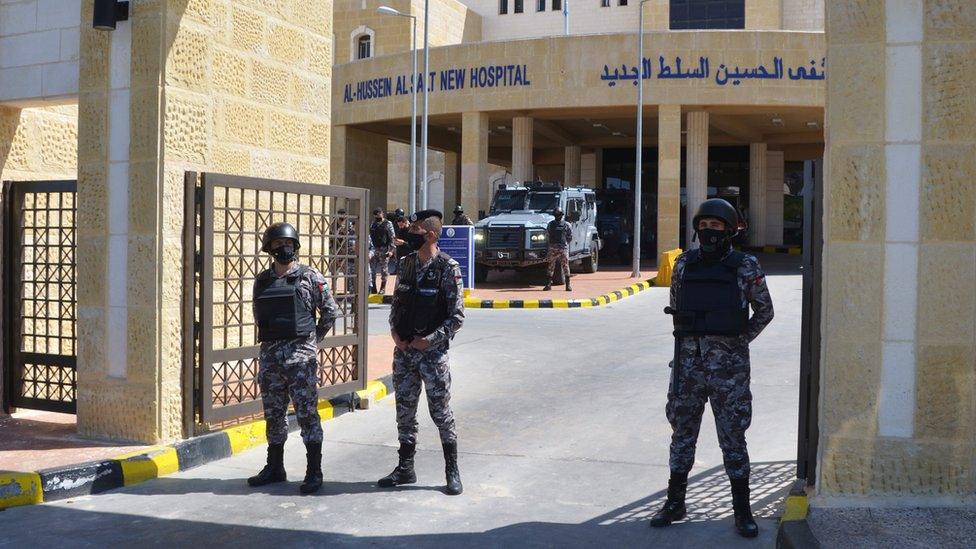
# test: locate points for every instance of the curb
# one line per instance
(794, 530)
(791, 250)
(94, 477)
(605, 299)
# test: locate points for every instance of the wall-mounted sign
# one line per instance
(457, 241)
(485, 76)
(724, 74)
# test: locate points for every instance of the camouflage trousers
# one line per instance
(297, 381)
(380, 264)
(411, 368)
(558, 256)
(720, 377)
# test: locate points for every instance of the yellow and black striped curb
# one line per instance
(605, 299)
(158, 461)
(791, 250)
(794, 530)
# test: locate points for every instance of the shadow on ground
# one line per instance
(708, 503)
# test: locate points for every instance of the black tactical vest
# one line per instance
(379, 233)
(421, 306)
(280, 311)
(558, 233)
(709, 301)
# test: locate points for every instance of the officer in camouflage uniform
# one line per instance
(712, 288)
(383, 235)
(428, 309)
(286, 298)
(560, 234)
(461, 218)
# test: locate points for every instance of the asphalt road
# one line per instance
(563, 443)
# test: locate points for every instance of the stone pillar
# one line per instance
(522, 148)
(757, 194)
(657, 15)
(775, 174)
(573, 165)
(452, 191)
(668, 178)
(359, 159)
(697, 165)
(474, 161)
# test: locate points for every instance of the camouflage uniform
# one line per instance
(558, 253)
(716, 369)
(462, 219)
(289, 367)
(380, 261)
(429, 367)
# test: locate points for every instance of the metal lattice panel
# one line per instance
(233, 213)
(39, 256)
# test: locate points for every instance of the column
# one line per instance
(775, 174)
(474, 160)
(697, 164)
(668, 178)
(452, 190)
(573, 165)
(522, 148)
(757, 194)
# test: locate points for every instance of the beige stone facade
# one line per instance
(38, 143)
(897, 394)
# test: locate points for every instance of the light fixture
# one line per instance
(777, 121)
(109, 12)
(812, 125)
(387, 10)
(618, 134)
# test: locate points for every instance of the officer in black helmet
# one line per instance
(461, 218)
(712, 289)
(286, 298)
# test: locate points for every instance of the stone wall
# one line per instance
(239, 87)
(803, 15)
(898, 372)
(39, 50)
(38, 143)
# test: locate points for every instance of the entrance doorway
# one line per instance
(39, 295)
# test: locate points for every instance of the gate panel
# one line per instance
(233, 214)
(40, 311)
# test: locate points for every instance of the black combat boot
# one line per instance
(313, 472)
(451, 469)
(548, 286)
(274, 471)
(403, 474)
(674, 507)
(744, 522)
(568, 287)
(383, 288)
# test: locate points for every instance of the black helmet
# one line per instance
(276, 231)
(399, 212)
(557, 212)
(458, 209)
(718, 209)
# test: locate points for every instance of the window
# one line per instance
(541, 5)
(364, 51)
(621, 2)
(502, 7)
(518, 6)
(708, 14)
(604, 3)
(557, 5)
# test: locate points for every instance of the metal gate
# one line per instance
(809, 431)
(39, 295)
(222, 260)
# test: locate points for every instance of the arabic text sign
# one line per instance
(724, 74)
(457, 241)
(453, 79)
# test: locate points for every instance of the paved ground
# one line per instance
(563, 441)
(904, 528)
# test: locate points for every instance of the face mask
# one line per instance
(712, 240)
(415, 240)
(378, 218)
(284, 254)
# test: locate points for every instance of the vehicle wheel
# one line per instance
(480, 273)
(592, 263)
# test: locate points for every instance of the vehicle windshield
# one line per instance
(506, 201)
(543, 202)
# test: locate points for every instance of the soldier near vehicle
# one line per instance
(712, 288)
(383, 235)
(427, 311)
(286, 298)
(461, 218)
(560, 235)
